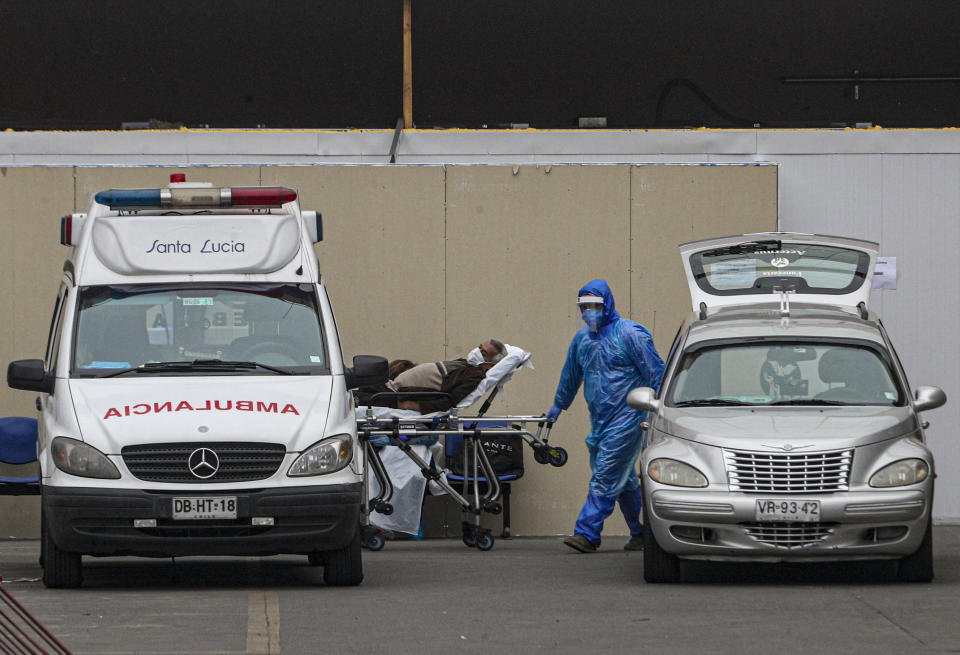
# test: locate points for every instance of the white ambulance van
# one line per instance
(193, 396)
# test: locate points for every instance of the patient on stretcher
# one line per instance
(456, 378)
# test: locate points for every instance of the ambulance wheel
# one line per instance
(658, 564)
(918, 567)
(542, 455)
(485, 542)
(344, 567)
(61, 570)
(558, 456)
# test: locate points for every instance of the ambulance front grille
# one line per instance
(203, 462)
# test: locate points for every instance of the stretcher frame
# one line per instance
(407, 431)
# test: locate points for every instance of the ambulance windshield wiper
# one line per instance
(197, 365)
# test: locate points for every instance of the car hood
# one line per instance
(117, 412)
(755, 427)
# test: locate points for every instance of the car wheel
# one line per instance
(918, 567)
(344, 567)
(61, 569)
(658, 564)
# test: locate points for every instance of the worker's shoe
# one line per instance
(635, 543)
(581, 543)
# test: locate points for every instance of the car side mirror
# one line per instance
(928, 398)
(29, 375)
(644, 398)
(367, 370)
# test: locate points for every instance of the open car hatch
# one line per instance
(760, 268)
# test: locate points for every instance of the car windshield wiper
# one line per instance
(197, 365)
(709, 402)
(808, 401)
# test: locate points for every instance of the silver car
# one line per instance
(784, 429)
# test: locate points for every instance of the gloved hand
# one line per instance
(554, 413)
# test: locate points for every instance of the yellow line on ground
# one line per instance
(263, 623)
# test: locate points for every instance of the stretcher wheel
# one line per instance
(485, 542)
(315, 559)
(375, 541)
(542, 454)
(558, 456)
(469, 540)
(493, 508)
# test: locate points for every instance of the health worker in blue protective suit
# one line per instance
(610, 356)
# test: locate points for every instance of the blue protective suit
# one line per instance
(619, 357)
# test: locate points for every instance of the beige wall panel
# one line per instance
(33, 200)
(675, 204)
(521, 242)
(381, 255)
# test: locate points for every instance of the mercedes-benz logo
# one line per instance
(780, 262)
(203, 463)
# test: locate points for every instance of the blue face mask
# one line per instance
(592, 318)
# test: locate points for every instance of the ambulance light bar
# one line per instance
(196, 198)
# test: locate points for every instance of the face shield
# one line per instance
(591, 311)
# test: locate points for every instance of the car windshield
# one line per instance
(766, 373)
(205, 329)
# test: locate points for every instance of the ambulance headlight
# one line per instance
(77, 458)
(326, 456)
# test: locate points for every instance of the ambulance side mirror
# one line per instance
(313, 221)
(29, 375)
(367, 370)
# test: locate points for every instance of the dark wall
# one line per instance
(338, 63)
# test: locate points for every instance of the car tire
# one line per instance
(344, 567)
(918, 567)
(61, 569)
(658, 565)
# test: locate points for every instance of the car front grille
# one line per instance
(236, 461)
(788, 472)
(788, 535)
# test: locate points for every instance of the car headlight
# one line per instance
(326, 456)
(77, 458)
(678, 474)
(901, 473)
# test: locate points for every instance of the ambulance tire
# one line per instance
(344, 567)
(61, 570)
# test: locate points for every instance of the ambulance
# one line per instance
(193, 397)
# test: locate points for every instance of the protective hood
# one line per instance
(602, 289)
(279, 409)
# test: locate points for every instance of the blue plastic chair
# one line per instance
(18, 445)
(452, 445)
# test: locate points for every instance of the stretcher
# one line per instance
(480, 490)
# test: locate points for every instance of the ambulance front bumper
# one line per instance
(299, 520)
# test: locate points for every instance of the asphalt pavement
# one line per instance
(527, 595)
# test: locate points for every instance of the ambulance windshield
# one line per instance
(204, 327)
